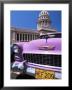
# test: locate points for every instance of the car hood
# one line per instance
(35, 45)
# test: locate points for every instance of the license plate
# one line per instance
(44, 74)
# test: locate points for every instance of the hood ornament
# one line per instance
(48, 47)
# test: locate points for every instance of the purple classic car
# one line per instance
(40, 58)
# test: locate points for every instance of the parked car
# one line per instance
(40, 58)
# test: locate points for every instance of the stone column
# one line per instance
(35, 36)
(13, 37)
(32, 36)
(27, 37)
(19, 36)
(22, 37)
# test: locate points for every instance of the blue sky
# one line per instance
(28, 19)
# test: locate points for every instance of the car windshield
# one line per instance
(56, 35)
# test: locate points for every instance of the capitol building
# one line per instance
(43, 28)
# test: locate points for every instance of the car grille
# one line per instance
(44, 59)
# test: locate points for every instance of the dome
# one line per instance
(44, 12)
(43, 20)
(44, 15)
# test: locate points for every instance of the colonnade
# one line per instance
(17, 37)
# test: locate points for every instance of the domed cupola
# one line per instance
(43, 20)
(43, 13)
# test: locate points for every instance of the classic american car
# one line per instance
(40, 58)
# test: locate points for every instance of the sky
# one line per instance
(28, 19)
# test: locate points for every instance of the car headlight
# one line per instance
(16, 48)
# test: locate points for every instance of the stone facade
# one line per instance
(23, 35)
